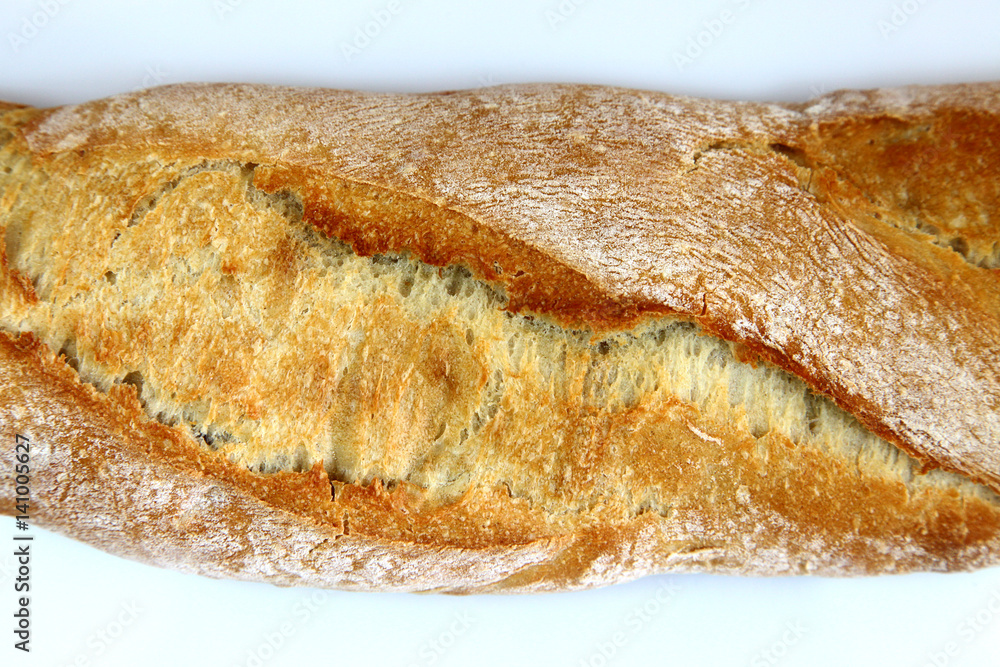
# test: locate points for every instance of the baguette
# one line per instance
(518, 339)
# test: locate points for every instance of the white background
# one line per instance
(56, 53)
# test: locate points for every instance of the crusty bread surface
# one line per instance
(523, 338)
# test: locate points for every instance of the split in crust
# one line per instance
(523, 338)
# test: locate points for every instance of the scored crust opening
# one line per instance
(279, 347)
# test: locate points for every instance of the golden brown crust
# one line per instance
(602, 209)
(896, 153)
(672, 207)
(107, 474)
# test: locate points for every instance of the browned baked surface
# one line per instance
(280, 385)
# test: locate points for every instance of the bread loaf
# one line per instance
(524, 338)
